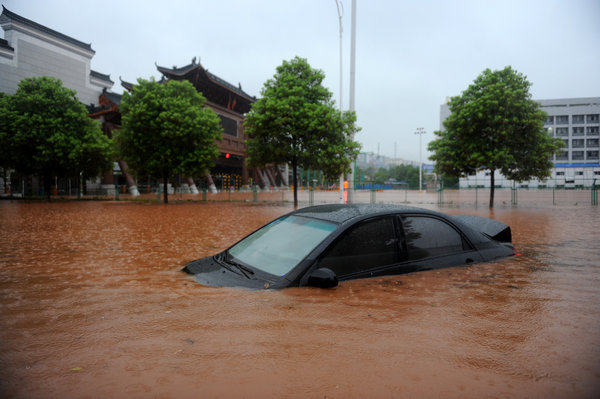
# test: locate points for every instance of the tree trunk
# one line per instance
(492, 188)
(295, 181)
(165, 187)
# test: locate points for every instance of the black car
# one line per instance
(321, 245)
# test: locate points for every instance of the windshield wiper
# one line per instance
(223, 260)
(244, 269)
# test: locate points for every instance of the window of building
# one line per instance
(550, 120)
(592, 130)
(229, 126)
(370, 244)
(562, 131)
(593, 118)
(593, 155)
(562, 156)
(566, 143)
(560, 173)
(577, 143)
(578, 119)
(597, 173)
(578, 131)
(427, 237)
(562, 119)
(579, 173)
(593, 142)
(577, 156)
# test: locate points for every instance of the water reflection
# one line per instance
(93, 304)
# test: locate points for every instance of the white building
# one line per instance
(577, 122)
(30, 49)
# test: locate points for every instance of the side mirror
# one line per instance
(322, 278)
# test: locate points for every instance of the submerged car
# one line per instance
(321, 245)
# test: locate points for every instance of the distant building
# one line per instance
(577, 122)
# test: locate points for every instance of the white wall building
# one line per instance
(577, 122)
(30, 49)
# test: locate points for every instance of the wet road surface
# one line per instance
(93, 304)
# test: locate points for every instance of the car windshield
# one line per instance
(282, 244)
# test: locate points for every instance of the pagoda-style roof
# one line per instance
(10, 20)
(126, 85)
(212, 87)
(108, 106)
(101, 76)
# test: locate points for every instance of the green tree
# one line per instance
(48, 133)
(166, 130)
(5, 163)
(494, 124)
(296, 122)
(406, 173)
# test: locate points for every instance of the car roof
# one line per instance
(341, 213)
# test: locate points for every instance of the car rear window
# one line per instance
(427, 237)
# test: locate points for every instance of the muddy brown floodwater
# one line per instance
(93, 305)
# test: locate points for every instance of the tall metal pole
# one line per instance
(352, 79)
(340, 11)
(420, 131)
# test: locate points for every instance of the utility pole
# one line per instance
(351, 177)
(340, 11)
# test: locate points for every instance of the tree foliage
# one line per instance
(494, 124)
(166, 130)
(403, 173)
(296, 122)
(45, 130)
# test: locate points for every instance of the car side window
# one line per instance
(426, 237)
(365, 246)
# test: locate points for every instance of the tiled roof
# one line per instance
(114, 98)
(126, 85)
(188, 68)
(100, 76)
(9, 16)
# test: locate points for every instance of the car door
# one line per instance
(365, 249)
(432, 243)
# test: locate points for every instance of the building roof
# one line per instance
(101, 76)
(4, 44)
(183, 71)
(126, 85)
(8, 17)
(215, 89)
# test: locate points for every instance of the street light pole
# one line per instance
(420, 131)
(340, 11)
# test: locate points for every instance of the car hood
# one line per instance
(207, 271)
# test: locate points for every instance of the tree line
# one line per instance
(167, 129)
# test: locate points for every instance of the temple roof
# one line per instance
(215, 89)
(108, 107)
(126, 85)
(100, 76)
(7, 17)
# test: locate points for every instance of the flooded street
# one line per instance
(93, 304)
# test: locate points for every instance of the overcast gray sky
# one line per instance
(410, 55)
